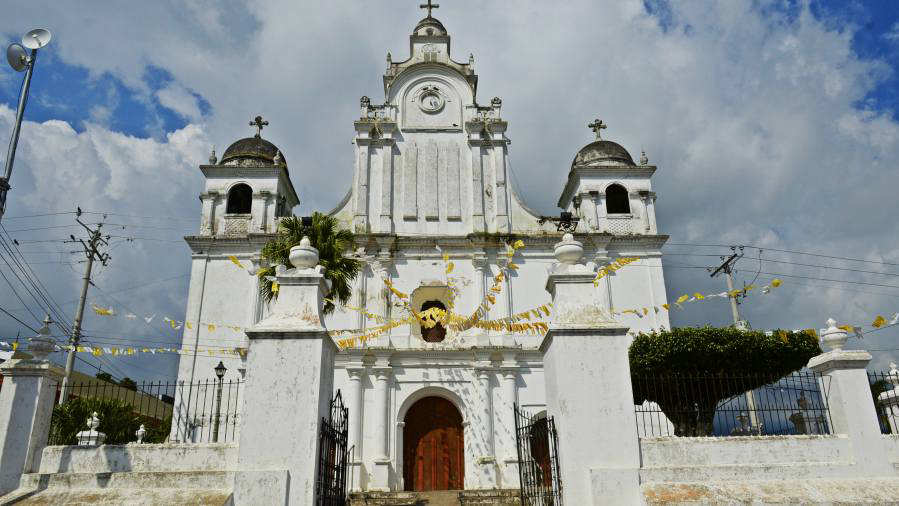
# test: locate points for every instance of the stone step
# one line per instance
(497, 497)
(117, 497)
(182, 480)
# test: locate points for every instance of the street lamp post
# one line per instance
(220, 373)
(20, 60)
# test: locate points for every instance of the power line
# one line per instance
(37, 215)
(29, 327)
(786, 251)
(794, 263)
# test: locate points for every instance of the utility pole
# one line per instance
(92, 253)
(727, 268)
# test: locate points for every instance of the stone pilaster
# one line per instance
(485, 460)
(504, 428)
(356, 404)
(845, 382)
(585, 348)
(380, 472)
(290, 362)
(26, 403)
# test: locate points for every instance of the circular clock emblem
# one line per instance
(431, 101)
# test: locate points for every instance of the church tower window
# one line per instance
(240, 199)
(617, 201)
(436, 333)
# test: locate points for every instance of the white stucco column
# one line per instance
(291, 369)
(504, 429)
(207, 224)
(479, 261)
(588, 388)
(26, 403)
(380, 473)
(486, 455)
(355, 426)
(847, 393)
(257, 208)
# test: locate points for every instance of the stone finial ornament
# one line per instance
(140, 433)
(643, 159)
(568, 251)
(212, 158)
(389, 58)
(278, 160)
(303, 256)
(42, 344)
(91, 437)
(470, 59)
(832, 337)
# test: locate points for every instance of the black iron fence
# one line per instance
(538, 460)
(330, 486)
(200, 412)
(731, 404)
(885, 393)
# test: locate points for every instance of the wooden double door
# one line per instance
(433, 449)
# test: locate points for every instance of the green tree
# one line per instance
(689, 370)
(331, 241)
(128, 383)
(105, 376)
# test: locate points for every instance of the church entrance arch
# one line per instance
(433, 449)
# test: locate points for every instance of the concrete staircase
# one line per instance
(437, 498)
(138, 488)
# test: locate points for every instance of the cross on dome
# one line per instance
(429, 6)
(597, 126)
(259, 123)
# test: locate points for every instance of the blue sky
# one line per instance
(773, 124)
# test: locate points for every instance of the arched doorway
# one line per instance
(433, 450)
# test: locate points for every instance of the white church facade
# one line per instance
(426, 413)
(431, 178)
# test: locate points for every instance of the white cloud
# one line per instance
(181, 100)
(752, 118)
(893, 34)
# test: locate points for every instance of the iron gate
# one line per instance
(330, 486)
(538, 462)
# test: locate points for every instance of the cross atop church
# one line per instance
(429, 6)
(597, 126)
(259, 123)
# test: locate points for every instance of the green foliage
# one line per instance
(117, 420)
(331, 241)
(105, 376)
(128, 383)
(689, 370)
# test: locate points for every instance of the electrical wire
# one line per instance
(784, 251)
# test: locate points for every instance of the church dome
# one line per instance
(429, 27)
(252, 152)
(602, 152)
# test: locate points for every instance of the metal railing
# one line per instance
(538, 459)
(719, 405)
(200, 412)
(885, 393)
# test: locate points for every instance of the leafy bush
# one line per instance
(689, 370)
(117, 420)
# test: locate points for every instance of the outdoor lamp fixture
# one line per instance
(20, 60)
(220, 370)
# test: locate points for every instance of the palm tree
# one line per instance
(331, 241)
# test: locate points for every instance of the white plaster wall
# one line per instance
(420, 375)
(139, 458)
(686, 459)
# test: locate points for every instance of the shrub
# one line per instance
(689, 370)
